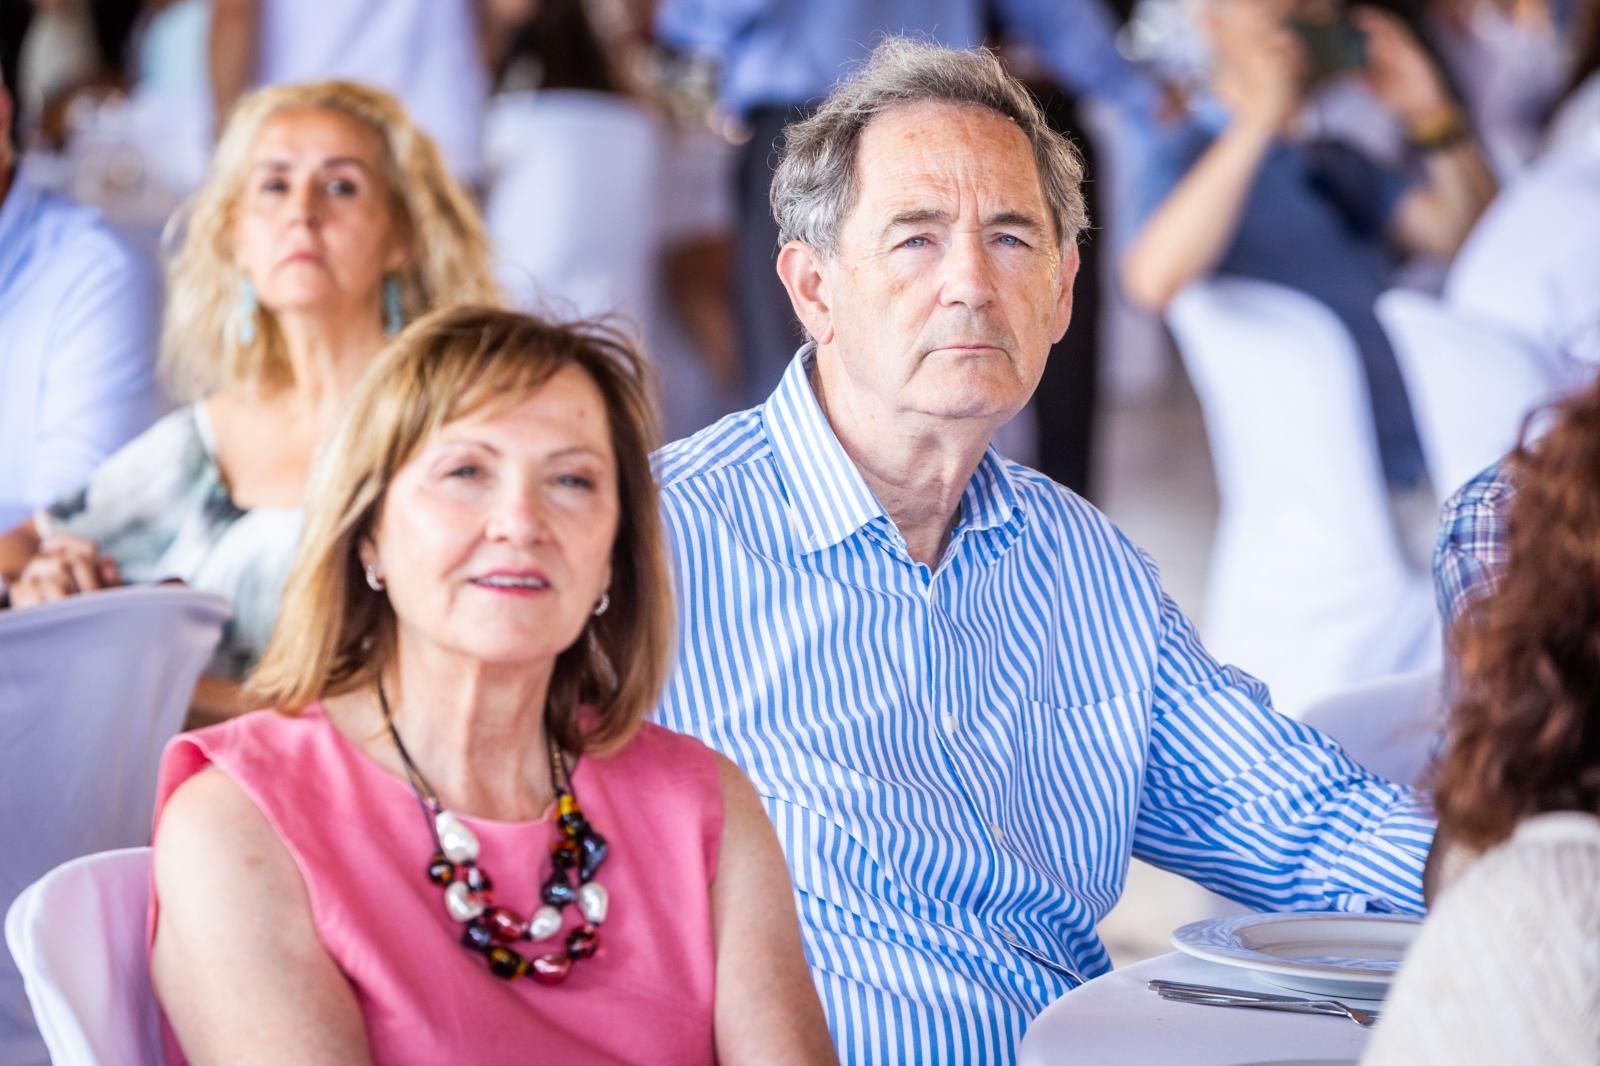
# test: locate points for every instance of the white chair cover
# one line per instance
(91, 689)
(78, 936)
(1471, 383)
(573, 206)
(1308, 587)
(1390, 725)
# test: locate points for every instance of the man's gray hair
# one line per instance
(816, 183)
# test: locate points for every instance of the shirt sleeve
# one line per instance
(1078, 38)
(1471, 550)
(1262, 809)
(99, 387)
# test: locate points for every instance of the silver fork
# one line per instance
(1210, 995)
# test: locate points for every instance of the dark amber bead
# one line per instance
(441, 871)
(573, 824)
(503, 962)
(550, 969)
(564, 854)
(558, 891)
(504, 924)
(583, 942)
(594, 848)
(477, 935)
(478, 881)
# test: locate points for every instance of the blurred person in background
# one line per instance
(1246, 187)
(426, 52)
(79, 314)
(607, 192)
(477, 624)
(778, 60)
(1507, 966)
(328, 222)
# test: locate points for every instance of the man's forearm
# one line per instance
(1187, 235)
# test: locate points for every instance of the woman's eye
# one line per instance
(342, 187)
(465, 472)
(274, 185)
(575, 481)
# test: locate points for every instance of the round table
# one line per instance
(1115, 1020)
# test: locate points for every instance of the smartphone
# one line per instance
(1332, 47)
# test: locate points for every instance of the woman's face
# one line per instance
(495, 539)
(313, 229)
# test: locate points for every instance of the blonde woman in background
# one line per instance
(328, 221)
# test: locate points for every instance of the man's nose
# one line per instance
(968, 272)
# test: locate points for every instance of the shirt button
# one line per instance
(950, 723)
(1008, 936)
(995, 831)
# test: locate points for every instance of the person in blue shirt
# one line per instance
(79, 316)
(961, 692)
(779, 58)
(1239, 189)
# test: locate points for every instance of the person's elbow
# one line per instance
(1148, 281)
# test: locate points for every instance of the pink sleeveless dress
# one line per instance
(362, 849)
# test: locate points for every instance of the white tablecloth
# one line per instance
(1115, 1020)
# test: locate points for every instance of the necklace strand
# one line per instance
(469, 891)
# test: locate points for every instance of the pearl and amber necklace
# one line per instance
(469, 892)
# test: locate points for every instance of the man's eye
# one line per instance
(914, 242)
(1012, 240)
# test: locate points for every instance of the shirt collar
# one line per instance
(828, 498)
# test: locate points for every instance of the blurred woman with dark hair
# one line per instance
(1507, 967)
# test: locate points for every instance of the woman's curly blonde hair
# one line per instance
(450, 261)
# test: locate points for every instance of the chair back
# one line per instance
(573, 205)
(1471, 382)
(78, 936)
(1308, 587)
(1390, 725)
(91, 689)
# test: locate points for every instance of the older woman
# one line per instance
(479, 617)
(328, 221)
(1507, 966)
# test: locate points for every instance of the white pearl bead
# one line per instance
(459, 843)
(593, 901)
(545, 923)
(461, 902)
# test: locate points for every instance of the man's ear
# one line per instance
(1068, 274)
(800, 266)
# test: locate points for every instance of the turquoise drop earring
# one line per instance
(247, 313)
(393, 320)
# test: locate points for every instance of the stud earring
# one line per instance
(393, 320)
(247, 313)
(374, 580)
(605, 602)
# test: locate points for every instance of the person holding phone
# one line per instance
(1242, 188)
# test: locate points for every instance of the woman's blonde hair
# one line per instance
(335, 634)
(200, 345)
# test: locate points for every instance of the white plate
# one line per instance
(1354, 955)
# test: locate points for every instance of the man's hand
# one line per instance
(64, 566)
(1398, 71)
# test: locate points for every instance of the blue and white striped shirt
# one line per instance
(959, 762)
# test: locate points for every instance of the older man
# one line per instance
(961, 691)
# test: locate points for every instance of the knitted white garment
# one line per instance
(1506, 969)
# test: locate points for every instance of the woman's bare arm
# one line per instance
(237, 964)
(767, 1009)
(17, 546)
